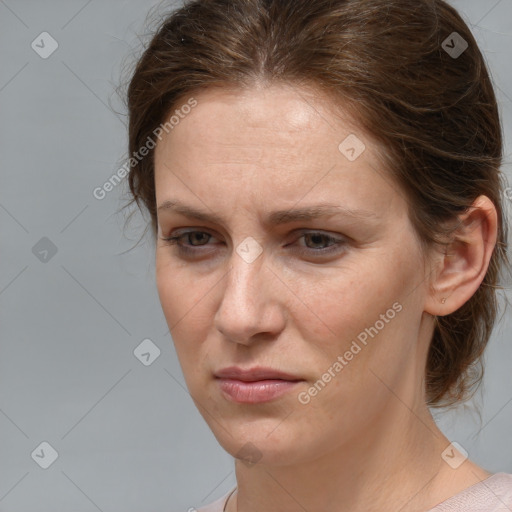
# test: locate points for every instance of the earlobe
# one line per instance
(462, 268)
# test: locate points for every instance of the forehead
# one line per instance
(293, 104)
(254, 141)
(280, 114)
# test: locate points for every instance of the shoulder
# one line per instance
(500, 485)
(494, 494)
(214, 506)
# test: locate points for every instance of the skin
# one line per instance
(366, 441)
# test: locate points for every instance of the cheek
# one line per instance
(368, 304)
(180, 290)
(345, 302)
(186, 301)
(167, 285)
(182, 303)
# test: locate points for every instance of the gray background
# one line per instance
(128, 436)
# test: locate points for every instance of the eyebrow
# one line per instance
(274, 218)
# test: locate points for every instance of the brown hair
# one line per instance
(387, 61)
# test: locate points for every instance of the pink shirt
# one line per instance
(494, 494)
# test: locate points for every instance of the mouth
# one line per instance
(255, 385)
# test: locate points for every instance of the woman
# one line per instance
(323, 179)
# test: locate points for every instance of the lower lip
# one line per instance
(255, 392)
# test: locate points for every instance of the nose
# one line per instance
(251, 307)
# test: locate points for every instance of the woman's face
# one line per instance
(332, 295)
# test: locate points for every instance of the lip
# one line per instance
(254, 385)
(257, 373)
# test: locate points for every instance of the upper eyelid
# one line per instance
(297, 232)
(186, 231)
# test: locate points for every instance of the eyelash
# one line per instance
(334, 243)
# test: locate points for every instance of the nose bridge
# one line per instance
(244, 287)
(245, 277)
(247, 298)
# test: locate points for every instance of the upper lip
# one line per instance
(254, 374)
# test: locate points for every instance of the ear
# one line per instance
(460, 270)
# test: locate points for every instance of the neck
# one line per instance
(390, 466)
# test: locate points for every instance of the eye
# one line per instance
(319, 239)
(202, 238)
(187, 241)
(328, 243)
(190, 236)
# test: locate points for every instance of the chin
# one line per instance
(268, 441)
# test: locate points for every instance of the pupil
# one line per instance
(198, 235)
(316, 239)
